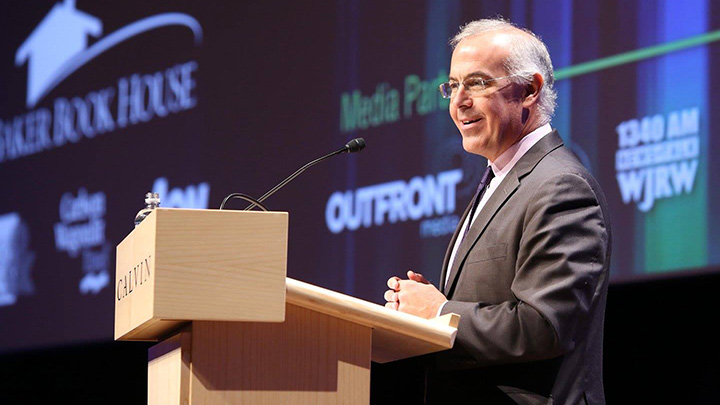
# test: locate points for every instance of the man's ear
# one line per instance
(532, 90)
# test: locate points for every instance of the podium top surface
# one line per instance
(396, 335)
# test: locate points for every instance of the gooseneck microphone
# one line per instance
(355, 145)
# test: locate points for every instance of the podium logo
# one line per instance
(81, 233)
(57, 48)
(16, 259)
(134, 278)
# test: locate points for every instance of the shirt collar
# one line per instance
(505, 162)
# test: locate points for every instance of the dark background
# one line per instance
(269, 84)
(660, 348)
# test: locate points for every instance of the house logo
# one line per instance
(64, 41)
(59, 44)
(60, 36)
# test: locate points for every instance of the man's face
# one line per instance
(490, 121)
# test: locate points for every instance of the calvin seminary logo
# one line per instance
(58, 47)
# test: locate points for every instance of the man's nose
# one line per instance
(462, 98)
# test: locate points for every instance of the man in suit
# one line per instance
(527, 267)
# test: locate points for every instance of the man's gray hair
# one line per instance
(528, 55)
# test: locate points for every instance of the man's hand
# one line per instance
(414, 296)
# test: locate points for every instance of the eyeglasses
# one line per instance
(473, 85)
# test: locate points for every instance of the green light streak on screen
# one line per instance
(636, 55)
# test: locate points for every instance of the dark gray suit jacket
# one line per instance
(530, 282)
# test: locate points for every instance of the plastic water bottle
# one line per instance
(152, 201)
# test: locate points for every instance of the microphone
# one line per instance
(355, 145)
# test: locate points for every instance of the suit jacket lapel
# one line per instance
(511, 182)
(496, 200)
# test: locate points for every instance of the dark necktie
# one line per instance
(484, 181)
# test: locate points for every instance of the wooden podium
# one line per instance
(211, 287)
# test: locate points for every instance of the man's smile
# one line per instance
(469, 122)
